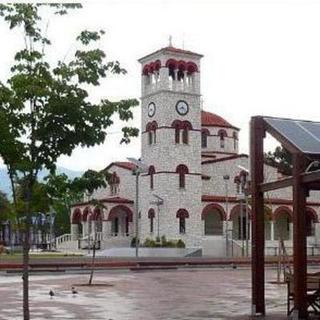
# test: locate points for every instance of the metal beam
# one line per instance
(299, 239)
(273, 185)
(257, 134)
(310, 177)
(310, 180)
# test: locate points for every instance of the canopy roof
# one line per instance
(302, 135)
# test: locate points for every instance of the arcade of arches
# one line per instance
(116, 222)
(278, 224)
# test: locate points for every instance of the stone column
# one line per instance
(121, 226)
(290, 231)
(105, 231)
(74, 231)
(230, 228)
(272, 230)
(175, 81)
(130, 229)
(164, 78)
(317, 232)
(93, 227)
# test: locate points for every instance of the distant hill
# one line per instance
(5, 181)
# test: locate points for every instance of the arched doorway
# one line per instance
(120, 217)
(97, 217)
(213, 216)
(282, 218)
(76, 223)
(239, 222)
(311, 219)
(86, 221)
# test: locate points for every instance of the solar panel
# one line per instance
(304, 135)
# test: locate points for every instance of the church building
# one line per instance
(194, 184)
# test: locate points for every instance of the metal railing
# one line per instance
(64, 238)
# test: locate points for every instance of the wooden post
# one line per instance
(257, 134)
(299, 239)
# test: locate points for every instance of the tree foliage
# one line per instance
(5, 210)
(64, 192)
(280, 158)
(45, 109)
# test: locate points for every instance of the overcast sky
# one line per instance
(260, 58)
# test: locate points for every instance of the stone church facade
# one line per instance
(193, 186)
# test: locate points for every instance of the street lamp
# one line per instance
(140, 168)
(226, 179)
(158, 203)
(244, 192)
(51, 218)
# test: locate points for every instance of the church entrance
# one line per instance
(120, 217)
(213, 216)
(240, 224)
(282, 222)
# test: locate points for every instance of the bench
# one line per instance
(313, 292)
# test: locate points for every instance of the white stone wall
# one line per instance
(126, 186)
(216, 171)
(165, 155)
(213, 140)
(167, 187)
(163, 82)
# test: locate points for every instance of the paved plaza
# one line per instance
(182, 294)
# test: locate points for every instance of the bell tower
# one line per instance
(171, 144)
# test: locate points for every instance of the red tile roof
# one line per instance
(275, 201)
(122, 164)
(173, 50)
(209, 119)
(106, 200)
(178, 50)
(236, 156)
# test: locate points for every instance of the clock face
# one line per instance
(182, 107)
(151, 109)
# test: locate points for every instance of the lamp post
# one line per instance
(158, 203)
(244, 183)
(226, 179)
(140, 168)
(51, 217)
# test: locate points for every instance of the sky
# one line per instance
(260, 58)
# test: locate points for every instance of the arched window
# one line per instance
(235, 140)
(181, 70)
(237, 182)
(182, 170)
(151, 216)
(186, 125)
(97, 217)
(151, 129)
(114, 183)
(171, 64)
(182, 214)
(151, 173)
(222, 134)
(311, 219)
(177, 125)
(204, 138)
(154, 127)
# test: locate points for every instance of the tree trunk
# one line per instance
(93, 258)
(25, 275)
(26, 248)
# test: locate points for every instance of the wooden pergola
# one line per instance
(302, 140)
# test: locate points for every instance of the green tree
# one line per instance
(45, 110)
(4, 208)
(280, 158)
(64, 192)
